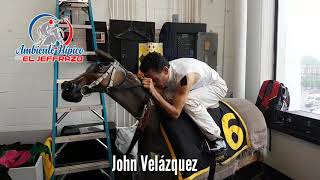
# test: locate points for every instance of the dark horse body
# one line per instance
(127, 90)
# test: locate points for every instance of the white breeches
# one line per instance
(196, 107)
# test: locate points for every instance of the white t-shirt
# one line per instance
(183, 66)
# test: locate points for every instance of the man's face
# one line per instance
(159, 79)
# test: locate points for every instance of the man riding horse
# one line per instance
(162, 136)
(186, 84)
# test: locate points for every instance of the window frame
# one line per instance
(278, 126)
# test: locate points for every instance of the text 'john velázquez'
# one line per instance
(154, 164)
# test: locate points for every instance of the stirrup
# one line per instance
(218, 148)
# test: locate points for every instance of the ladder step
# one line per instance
(89, 53)
(82, 167)
(79, 108)
(73, 1)
(60, 81)
(80, 137)
(70, 5)
(76, 26)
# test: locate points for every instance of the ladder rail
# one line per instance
(55, 99)
(102, 98)
(54, 111)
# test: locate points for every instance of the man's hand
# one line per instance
(148, 84)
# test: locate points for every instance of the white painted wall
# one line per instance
(26, 89)
(219, 16)
(294, 157)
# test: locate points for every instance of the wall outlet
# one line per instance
(175, 17)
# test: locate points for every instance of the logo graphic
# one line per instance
(49, 41)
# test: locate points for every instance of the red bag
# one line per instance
(273, 94)
(13, 158)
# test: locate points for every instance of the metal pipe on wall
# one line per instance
(224, 37)
(179, 10)
(128, 10)
(117, 8)
(124, 9)
(199, 10)
(195, 10)
(110, 9)
(192, 11)
(132, 18)
(170, 9)
(188, 2)
(240, 14)
(113, 5)
(187, 9)
(146, 9)
(183, 10)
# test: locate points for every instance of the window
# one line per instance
(298, 52)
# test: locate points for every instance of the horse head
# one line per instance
(110, 77)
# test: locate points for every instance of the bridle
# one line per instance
(111, 70)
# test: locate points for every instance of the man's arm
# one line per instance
(181, 94)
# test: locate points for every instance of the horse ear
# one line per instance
(105, 56)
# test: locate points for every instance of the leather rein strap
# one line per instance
(143, 122)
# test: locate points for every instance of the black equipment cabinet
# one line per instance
(125, 37)
(101, 38)
(180, 39)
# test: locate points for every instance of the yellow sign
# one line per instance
(145, 48)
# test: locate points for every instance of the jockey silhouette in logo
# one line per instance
(50, 34)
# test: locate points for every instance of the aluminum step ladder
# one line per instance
(62, 171)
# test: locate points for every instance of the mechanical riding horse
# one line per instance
(159, 135)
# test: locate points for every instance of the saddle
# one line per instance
(188, 142)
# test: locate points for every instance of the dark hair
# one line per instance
(153, 61)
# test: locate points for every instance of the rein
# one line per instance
(143, 122)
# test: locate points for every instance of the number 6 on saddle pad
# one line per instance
(233, 130)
